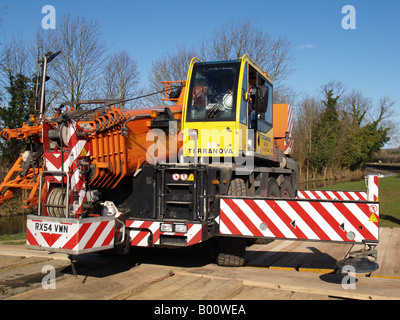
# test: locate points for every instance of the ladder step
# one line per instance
(177, 202)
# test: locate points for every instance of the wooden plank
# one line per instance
(6, 261)
(164, 289)
(396, 261)
(299, 255)
(257, 255)
(384, 238)
(218, 289)
(255, 250)
(272, 258)
(393, 252)
(254, 293)
(390, 247)
(310, 296)
(324, 257)
(189, 287)
(302, 282)
(14, 262)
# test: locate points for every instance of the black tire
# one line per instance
(273, 188)
(287, 189)
(237, 188)
(231, 250)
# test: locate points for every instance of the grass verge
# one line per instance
(14, 239)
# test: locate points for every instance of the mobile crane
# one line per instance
(214, 165)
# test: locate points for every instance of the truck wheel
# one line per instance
(231, 250)
(237, 188)
(273, 188)
(287, 189)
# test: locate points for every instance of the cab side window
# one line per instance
(268, 113)
(261, 99)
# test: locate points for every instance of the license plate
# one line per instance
(53, 227)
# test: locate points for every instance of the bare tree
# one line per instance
(15, 58)
(307, 111)
(356, 106)
(387, 111)
(77, 69)
(170, 67)
(362, 110)
(120, 77)
(233, 40)
(14, 62)
(230, 42)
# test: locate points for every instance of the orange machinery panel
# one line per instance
(283, 126)
(116, 156)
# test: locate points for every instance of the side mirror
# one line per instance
(261, 99)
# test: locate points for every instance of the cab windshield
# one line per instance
(213, 90)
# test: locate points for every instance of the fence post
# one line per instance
(372, 182)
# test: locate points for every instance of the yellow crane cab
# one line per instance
(227, 111)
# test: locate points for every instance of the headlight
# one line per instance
(192, 132)
(170, 227)
(181, 228)
(167, 227)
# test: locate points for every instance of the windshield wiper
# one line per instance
(216, 107)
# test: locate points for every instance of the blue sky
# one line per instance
(366, 58)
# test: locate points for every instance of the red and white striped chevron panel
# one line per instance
(77, 148)
(140, 232)
(300, 219)
(332, 195)
(288, 144)
(372, 194)
(71, 236)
